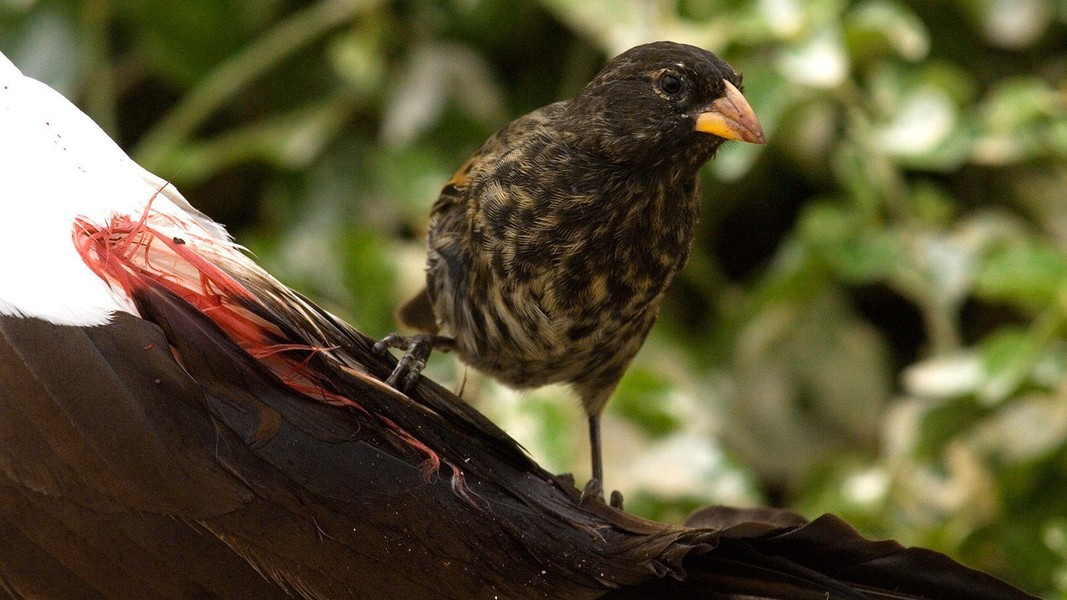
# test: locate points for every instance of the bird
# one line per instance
(551, 248)
(177, 423)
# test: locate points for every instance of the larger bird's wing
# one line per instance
(127, 473)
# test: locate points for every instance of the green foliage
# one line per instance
(873, 320)
(638, 399)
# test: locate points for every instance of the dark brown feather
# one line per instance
(124, 474)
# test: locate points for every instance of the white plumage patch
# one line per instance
(57, 165)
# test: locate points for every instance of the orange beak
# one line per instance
(731, 118)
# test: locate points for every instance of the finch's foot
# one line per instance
(594, 489)
(416, 349)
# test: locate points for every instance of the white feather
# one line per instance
(56, 164)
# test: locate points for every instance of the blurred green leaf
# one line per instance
(1029, 272)
(184, 39)
(888, 26)
(46, 44)
(819, 61)
(288, 141)
(1012, 24)
(1007, 359)
(433, 76)
(855, 252)
(639, 398)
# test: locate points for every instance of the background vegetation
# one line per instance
(873, 322)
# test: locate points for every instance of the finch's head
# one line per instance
(664, 102)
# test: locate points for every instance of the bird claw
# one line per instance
(417, 349)
(393, 340)
(594, 489)
(407, 371)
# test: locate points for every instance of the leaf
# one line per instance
(945, 376)
(289, 141)
(1030, 428)
(434, 75)
(856, 253)
(1014, 24)
(878, 24)
(819, 61)
(185, 39)
(45, 44)
(924, 130)
(640, 398)
(1029, 272)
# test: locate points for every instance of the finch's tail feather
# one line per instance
(417, 313)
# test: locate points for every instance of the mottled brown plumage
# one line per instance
(551, 248)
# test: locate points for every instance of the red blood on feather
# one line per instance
(121, 252)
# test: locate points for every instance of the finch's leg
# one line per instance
(594, 447)
(416, 349)
(595, 487)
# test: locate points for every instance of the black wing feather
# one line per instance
(155, 457)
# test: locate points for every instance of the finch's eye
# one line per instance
(670, 84)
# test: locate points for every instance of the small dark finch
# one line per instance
(551, 248)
